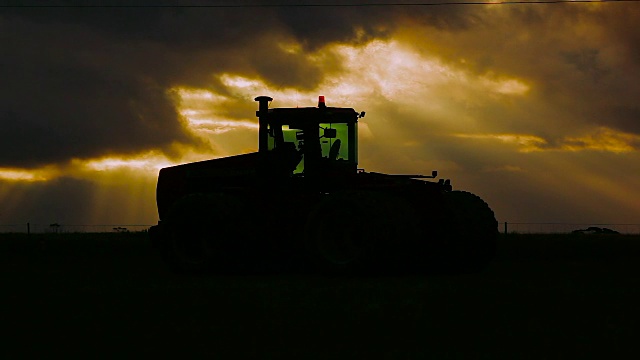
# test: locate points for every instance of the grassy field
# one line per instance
(107, 295)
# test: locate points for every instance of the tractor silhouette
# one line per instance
(301, 197)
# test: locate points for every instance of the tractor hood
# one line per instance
(223, 174)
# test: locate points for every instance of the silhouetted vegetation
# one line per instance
(591, 230)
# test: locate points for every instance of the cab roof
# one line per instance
(313, 114)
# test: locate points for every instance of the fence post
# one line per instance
(505, 228)
(28, 228)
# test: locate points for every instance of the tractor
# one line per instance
(301, 199)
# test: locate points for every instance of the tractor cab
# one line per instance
(322, 140)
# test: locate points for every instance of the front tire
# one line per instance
(472, 231)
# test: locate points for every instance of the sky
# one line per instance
(533, 107)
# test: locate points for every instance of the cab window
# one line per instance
(336, 144)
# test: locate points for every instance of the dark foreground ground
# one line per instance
(108, 295)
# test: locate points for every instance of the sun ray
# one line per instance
(28, 175)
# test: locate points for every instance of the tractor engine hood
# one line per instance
(240, 171)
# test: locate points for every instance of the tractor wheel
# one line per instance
(355, 231)
(472, 231)
(202, 233)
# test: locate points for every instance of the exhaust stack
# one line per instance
(263, 131)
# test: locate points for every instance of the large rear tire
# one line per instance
(202, 233)
(355, 231)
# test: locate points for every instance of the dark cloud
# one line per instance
(579, 61)
(83, 82)
(623, 117)
(588, 62)
(70, 93)
(87, 81)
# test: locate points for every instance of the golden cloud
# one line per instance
(601, 139)
(526, 143)
(27, 175)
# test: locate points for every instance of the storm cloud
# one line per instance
(86, 82)
(581, 63)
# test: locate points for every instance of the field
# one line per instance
(107, 295)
